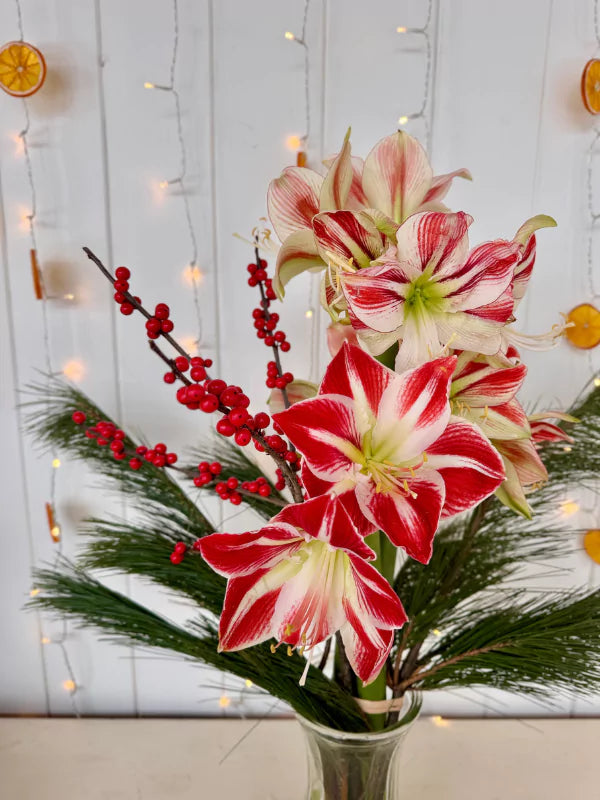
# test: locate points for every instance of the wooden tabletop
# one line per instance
(170, 759)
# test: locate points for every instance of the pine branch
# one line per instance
(73, 592)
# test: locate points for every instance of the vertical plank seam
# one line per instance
(20, 438)
(324, 55)
(434, 73)
(108, 232)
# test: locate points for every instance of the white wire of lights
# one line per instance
(70, 683)
(425, 32)
(310, 312)
(193, 273)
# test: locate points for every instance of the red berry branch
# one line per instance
(200, 391)
(106, 434)
(265, 323)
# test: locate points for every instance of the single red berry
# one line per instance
(208, 362)
(197, 546)
(141, 450)
(101, 441)
(180, 547)
(242, 437)
(280, 336)
(215, 468)
(195, 394)
(169, 377)
(119, 434)
(285, 346)
(260, 275)
(203, 479)
(269, 341)
(209, 403)
(221, 487)
(135, 463)
(117, 446)
(167, 325)
(203, 466)
(251, 268)
(263, 263)
(198, 373)
(159, 460)
(149, 455)
(182, 394)
(258, 447)
(276, 443)
(176, 558)
(126, 309)
(216, 387)
(198, 482)
(238, 416)
(122, 273)
(264, 490)
(153, 324)
(280, 383)
(162, 311)
(182, 363)
(260, 334)
(224, 427)
(235, 499)
(152, 335)
(290, 456)
(121, 286)
(262, 419)
(119, 297)
(288, 377)
(252, 281)
(253, 487)
(232, 483)
(91, 434)
(242, 401)
(271, 383)
(119, 456)
(160, 448)
(78, 417)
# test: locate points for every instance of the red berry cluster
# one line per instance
(160, 322)
(208, 472)
(197, 367)
(258, 275)
(156, 455)
(258, 486)
(121, 287)
(107, 434)
(280, 483)
(178, 553)
(275, 379)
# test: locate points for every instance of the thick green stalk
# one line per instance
(385, 562)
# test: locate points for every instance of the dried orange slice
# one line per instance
(22, 69)
(591, 542)
(585, 329)
(590, 86)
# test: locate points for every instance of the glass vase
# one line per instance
(355, 766)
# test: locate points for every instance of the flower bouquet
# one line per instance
(394, 501)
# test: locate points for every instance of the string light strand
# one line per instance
(70, 684)
(425, 32)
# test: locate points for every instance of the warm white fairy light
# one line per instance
(567, 448)
(46, 640)
(440, 721)
(68, 296)
(289, 36)
(568, 508)
(149, 85)
(224, 701)
(192, 275)
(401, 29)
(293, 142)
(69, 685)
(248, 683)
(56, 463)
(34, 593)
(309, 313)
(596, 381)
(402, 120)
(74, 370)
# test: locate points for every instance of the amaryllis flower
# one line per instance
(394, 181)
(387, 445)
(483, 391)
(432, 293)
(300, 579)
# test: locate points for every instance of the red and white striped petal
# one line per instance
(293, 200)
(397, 176)
(525, 458)
(248, 610)
(345, 493)
(336, 185)
(298, 253)
(376, 295)
(471, 468)
(484, 276)
(544, 431)
(525, 237)
(511, 493)
(357, 375)
(466, 331)
(408, 520)
(373, 611)
(434, 242)
(239, 554)
(357, 199)
(350, 235)
(413, 412)
(504, 422)
(420, 341)
(480, 384)
(325, 518)
(440, 185)
(325, 431)
(500, 310)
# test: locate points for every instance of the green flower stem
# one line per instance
(384, 563)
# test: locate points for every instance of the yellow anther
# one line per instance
(290, 650)
(424, 458)
(303, 638)
(288, 630)
(273, 648)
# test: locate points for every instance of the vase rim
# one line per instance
(323, 730)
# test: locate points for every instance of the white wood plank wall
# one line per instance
(504, 102)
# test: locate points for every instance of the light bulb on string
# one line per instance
(401, 29)
(46, 640)
(34, 592)
(293, 142)
(289, 36)
(596, 382)
(148, 85)
(568, 508)
(248, 683)
(224, 701)
(402, 120)
(69, 686)
(74, 370)
(440, 722)
(56, 463)
(309, 313)
(192, 275)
